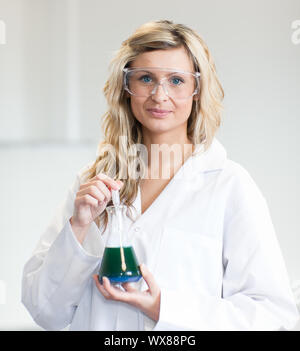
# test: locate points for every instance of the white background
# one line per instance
(52, 71)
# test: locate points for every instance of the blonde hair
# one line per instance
(119, 120)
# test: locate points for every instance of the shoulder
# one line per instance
(237, 173)
(243, 192)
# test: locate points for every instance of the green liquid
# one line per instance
(111, 266)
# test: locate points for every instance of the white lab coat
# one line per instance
(209, 241)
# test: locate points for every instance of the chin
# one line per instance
(159, 129)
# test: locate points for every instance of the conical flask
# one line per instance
(119, 263)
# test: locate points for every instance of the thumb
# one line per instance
(117, 181)
(149, 279)
(120, 182)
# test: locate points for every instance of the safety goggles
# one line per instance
(144, 82)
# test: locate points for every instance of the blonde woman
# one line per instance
(198, 222)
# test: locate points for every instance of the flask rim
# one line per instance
(115, 206)
(111, 208)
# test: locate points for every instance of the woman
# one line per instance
(210, 256)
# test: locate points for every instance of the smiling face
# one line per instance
(147, 110)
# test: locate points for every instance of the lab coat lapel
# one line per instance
(189, 177)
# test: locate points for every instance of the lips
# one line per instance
(157, 110)
(158, 113)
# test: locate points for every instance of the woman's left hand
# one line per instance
(147, 301)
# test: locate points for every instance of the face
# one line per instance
(178, 110)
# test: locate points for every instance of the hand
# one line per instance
(91, 200)
(147, 301)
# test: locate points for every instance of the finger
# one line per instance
(92, 191)
(149, 279)
(100, 287)
(86, 200)
(115, 294)
(128, 287)
(120, 182)
(98, 187)
(98, 184)
(107, 180)
(104, 189)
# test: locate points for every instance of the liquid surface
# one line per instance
(111, 266)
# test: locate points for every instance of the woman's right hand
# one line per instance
(91, 200)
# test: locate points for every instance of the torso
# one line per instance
(150, 190)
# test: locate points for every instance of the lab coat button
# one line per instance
(137, 229)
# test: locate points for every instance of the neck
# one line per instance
(167, 151)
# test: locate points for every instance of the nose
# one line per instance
(159, 93)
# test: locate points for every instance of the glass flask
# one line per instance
(119, 263)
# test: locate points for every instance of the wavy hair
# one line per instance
(122, 130)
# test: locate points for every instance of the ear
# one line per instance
(196, 97)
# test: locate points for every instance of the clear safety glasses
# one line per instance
(144, 82)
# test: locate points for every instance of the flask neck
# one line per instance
(117, 235)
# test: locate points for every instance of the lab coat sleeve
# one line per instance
(56, 275)
(256, 293)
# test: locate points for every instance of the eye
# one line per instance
(145, 79)
(177, 80)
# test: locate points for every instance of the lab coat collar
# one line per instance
(213, 158)
(201, 161)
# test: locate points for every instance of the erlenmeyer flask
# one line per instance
(119, 263)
